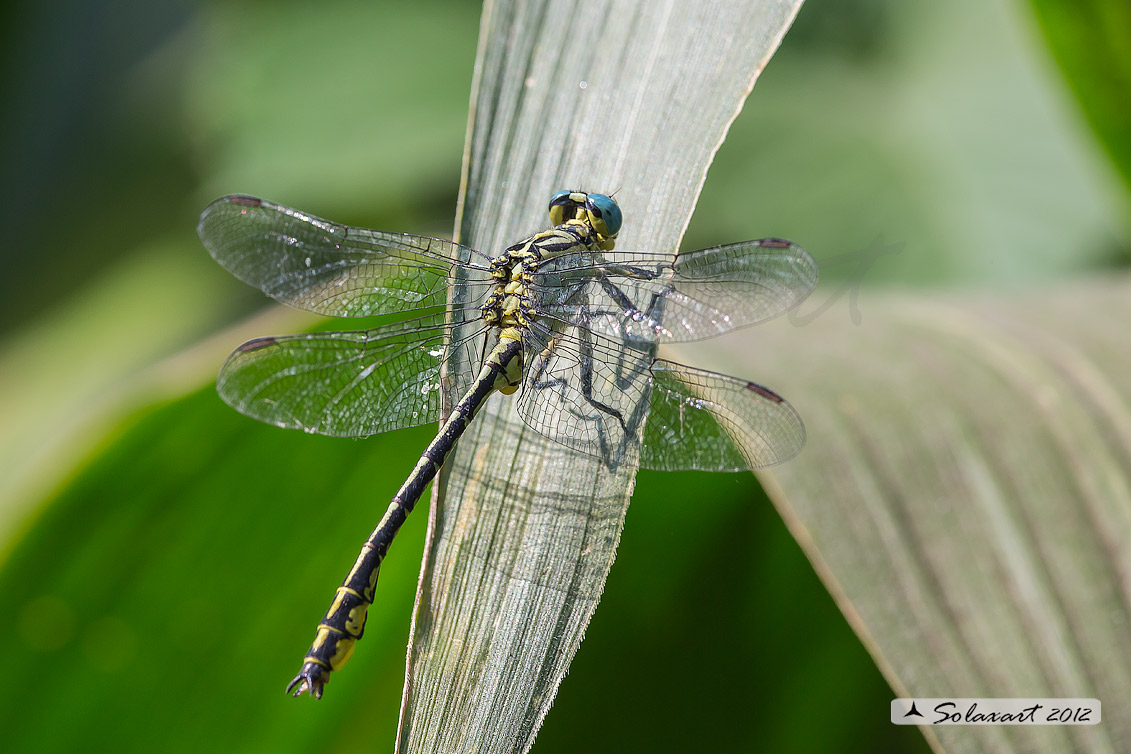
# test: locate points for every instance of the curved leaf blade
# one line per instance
(966, 496)
(629, 96)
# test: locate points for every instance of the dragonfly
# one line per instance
(562, 318)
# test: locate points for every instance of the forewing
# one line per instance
(696, 415)
(584, 391)
(328, 268)
(647, 298)
(346, 384)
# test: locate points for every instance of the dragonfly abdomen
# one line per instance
(344, 622)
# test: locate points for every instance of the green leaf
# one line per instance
(165, 597)
(1091, 41)
(965, 493)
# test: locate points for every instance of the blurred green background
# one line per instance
(165, 560)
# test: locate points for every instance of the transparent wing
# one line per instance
(588, 393)
(584, 391)
(695, 414)
(336, 270)
(641, 298)
(350, 384)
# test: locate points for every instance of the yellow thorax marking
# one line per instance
(512, 272)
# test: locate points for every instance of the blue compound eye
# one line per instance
(561, 197)
(559, 202)
(604, 214)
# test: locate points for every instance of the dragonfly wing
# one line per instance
(346, 384)
(584, 391)
(336, 270)
(646, 298)
(695, 414)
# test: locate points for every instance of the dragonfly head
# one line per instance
(601, 212)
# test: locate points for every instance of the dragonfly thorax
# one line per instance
(511, 302)
(508, 303)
